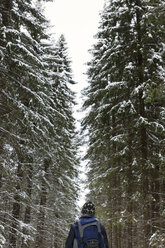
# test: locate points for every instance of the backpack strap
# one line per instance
(98, 225)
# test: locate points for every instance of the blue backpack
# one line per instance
(88, 234)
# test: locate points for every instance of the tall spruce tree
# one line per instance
(38, 151)
(61, 174)
(125, 120)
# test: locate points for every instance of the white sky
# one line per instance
(78, 20)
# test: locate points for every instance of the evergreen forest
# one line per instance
(125, 120)
(123, 128)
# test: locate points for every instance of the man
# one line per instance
(86, 221)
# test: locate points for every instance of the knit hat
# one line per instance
(88, 209)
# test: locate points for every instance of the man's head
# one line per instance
(88, 209)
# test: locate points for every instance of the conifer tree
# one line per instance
(38, 151)
(125, 123)
(62, 192)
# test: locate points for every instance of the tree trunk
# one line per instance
(41, 218)
(156, 199)
(27, 216)
(16, 209)
(110, 236)
(143, 133)
(130, 188)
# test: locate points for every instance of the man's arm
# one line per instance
(70, 238)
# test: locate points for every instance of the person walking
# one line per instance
(87, 232)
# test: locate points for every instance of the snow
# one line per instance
(2, 241)
(118, 138)
(115, 84)
(2, 238)
(157, 240)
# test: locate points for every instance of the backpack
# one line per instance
(88, 234)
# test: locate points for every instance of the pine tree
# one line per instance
(124, 144)
(38, 148)
(62, 192)
(22, 74)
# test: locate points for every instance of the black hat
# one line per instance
(88, 209)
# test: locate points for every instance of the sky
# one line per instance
(78, 20)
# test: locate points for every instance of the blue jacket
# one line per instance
(71, 236)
